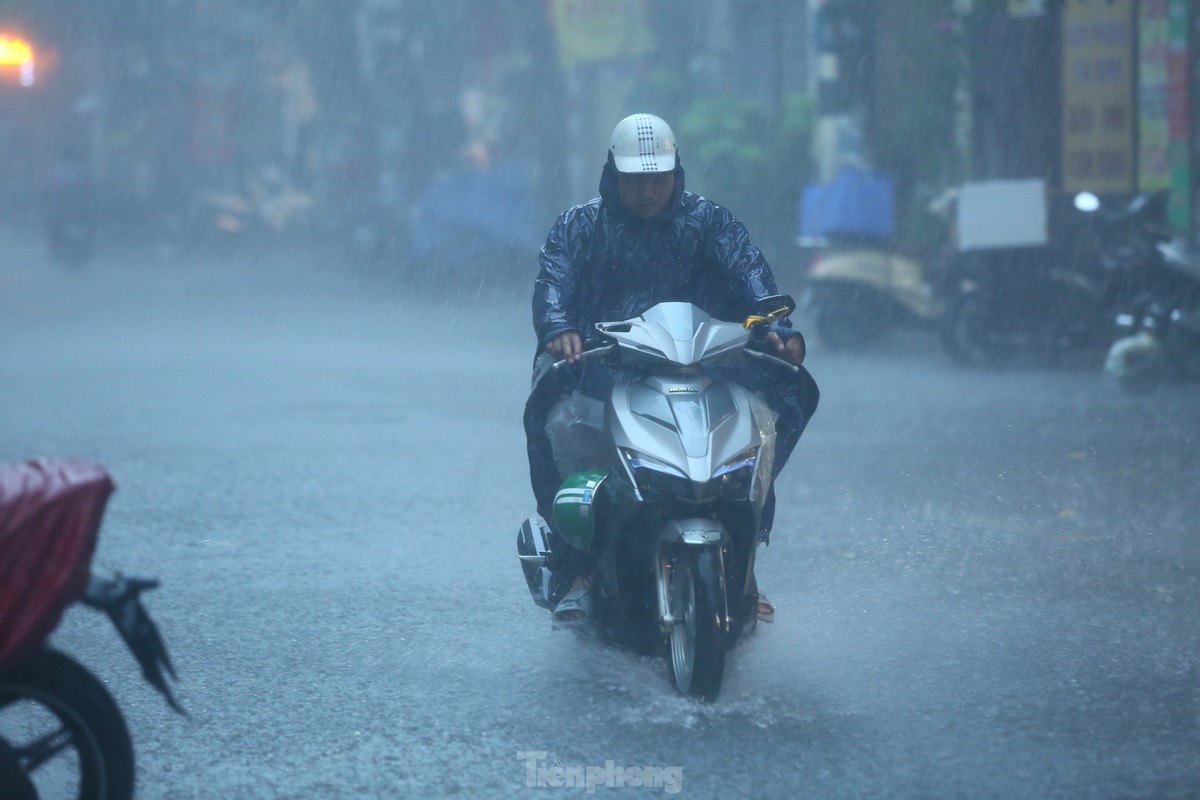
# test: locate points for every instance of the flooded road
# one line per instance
(986, 581)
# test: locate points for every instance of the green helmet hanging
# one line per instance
(574, 515)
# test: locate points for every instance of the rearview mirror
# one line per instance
(777, 306)
(771, 309)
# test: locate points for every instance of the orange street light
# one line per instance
(18, 53)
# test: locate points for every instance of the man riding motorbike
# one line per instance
(643, 241)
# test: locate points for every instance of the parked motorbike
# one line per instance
(859, 292)
(1158, 329)
(266, 206)
(680, 466)
(858, 287)
(1044, 301)
(61, 733)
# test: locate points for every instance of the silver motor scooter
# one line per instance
(670, 504)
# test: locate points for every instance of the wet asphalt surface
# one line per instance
(987, 582)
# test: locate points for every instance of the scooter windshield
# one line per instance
(677, 332)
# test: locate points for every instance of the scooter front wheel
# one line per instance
(700, 633)
(61, 733)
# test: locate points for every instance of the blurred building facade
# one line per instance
(367, 101)
(363, 105)
(1085, 95)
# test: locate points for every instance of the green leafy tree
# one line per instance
(754, 162)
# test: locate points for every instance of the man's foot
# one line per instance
(766, 610)
(575, 606)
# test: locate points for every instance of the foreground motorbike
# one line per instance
(1158, 330)
(61, 733)
(669, 493)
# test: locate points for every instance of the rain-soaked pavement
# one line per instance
(987, 582)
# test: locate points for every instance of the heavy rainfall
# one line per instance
(269, 264)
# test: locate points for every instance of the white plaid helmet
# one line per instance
(643, 143)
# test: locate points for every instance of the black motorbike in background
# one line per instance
(1051, 301)
(1158, 326)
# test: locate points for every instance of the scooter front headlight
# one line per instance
(655, 477)
(735, 477)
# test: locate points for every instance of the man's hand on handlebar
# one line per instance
(567, 346)
(791, 352)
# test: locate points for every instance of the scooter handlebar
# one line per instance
(748, 351)
(595, 351)
(793, 368)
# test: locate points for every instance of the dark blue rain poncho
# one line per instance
(601, 263)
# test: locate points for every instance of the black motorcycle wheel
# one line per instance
(699, 636)
(55, 714)
(970, 334)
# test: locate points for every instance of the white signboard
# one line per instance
(1002, 214)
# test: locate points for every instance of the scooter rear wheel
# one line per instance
(61, 733)
(699, 636)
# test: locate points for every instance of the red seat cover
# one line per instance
(50, 512)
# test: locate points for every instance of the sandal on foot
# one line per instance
(766, 609)
(573, 609)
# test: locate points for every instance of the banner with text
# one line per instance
(1098, 96)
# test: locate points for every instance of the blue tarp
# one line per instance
(478, 210)
(856, 203)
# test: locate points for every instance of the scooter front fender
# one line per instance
(696, 532)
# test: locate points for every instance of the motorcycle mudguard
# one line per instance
(117, 597)
(698, 531)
